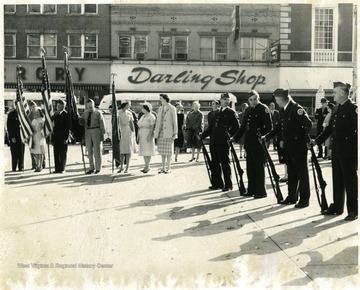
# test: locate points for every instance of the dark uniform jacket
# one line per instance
(275, 117)
(255, 119)
(223, 124)
(211, 116)
(320, 117)
(343, 128)
(13, 126)
(294, 124)
(61, 126)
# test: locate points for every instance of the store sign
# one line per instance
(194, 78)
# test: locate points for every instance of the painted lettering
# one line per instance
(259, 81)
(241, 78)
(59, 73)
(157, 78)
(227, 75)
(251, 79)
(136, 80)
(38, 73)
(186, 80)
(206, 80)
(179, 76)
(80, 73)
(23, 73)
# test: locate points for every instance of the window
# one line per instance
(10, 44)
(82, 9)
(174, 47)
(36, 41)
(41, 9)
(132, 46)
(213, 48)
(324, 28)
(83, 45)
(9, 9)
(254, 49)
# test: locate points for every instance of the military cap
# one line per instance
(61, 102)
(281, 92)
(341, 84)
(225, 96)
(253, 93)
(324, 100)
(31, 103)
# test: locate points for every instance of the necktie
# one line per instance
(89, 120)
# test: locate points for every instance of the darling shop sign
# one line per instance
(194, 78)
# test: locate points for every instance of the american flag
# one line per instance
(26, 130)
(46, 96)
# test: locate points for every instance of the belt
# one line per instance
(94, 127)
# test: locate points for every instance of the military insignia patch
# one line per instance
(300, 112)
(267, 111)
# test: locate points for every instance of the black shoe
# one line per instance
(331, 211)
(215, 187)
(351, 217)
(246, 194)
(226, 189)
(89, 171)
(97, 171)
(302, 205)
(319, 156)
(283, 179)
(56, 171)
(287, 201)
(260, 195)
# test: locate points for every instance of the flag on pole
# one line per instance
(115, 126)
(26, 130)
(46, 96)
(236, 22)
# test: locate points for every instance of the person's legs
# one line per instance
(163, 159)
(121, 162)
(168, 163)
(177, 150)
(197, 154)
(128, 157)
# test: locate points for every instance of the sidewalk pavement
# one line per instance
(165, 231)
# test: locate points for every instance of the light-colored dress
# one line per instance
(146, 125)
(37, 141)
(126, 139)
(325, 124)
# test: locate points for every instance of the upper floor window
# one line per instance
(213, 48)
(82, 9)
(324, 28)
(254, 49)
(9, 9)
(132, 46)
(10, 44)
(41, 9)
(83, 45)
(174, 47)
(37, 41)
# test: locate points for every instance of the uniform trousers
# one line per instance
(298, 177)
(255, 170)
(94, 147)
(220, 165)
(17, 155)
(345, 178)
(60, 152)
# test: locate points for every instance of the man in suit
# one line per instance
(343, 129)
(256, 120)
(320, 115)
(294, 124)
(94, 124)
(60, 136)
(224, 125)
(16, 145)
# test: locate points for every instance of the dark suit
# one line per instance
(343, 131)
(320, 115)
(294, 124)
(223, 124)
(16, 146)
(256, 120)
(60, 137)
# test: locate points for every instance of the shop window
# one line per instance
(9, 9)
(37, 41)
(133, 46)
(213, 48)
(254, 49)
(174, 47)
(83, 45)
(82, 9)
(41, 9)
(10, 45)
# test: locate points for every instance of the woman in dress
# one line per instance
(146, 139)
(38, 139)
(194, 126)
(166, 131)
(126, 126)
(179, 141)
(326, 123)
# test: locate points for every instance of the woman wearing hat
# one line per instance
(179, 141)
(126, 125)
(166, 131)
(38, 139)
(194, 126)
(146, 135)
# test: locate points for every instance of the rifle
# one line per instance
(207, 160)
(274, 177)
(315, 163)
(237, 167)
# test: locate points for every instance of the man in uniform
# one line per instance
(343, 129)
(94, 124)
(60, 136)
(256, 120)
(294, 125)
(320, 115)
(16, 145)
(224, 125)
(214, 109)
